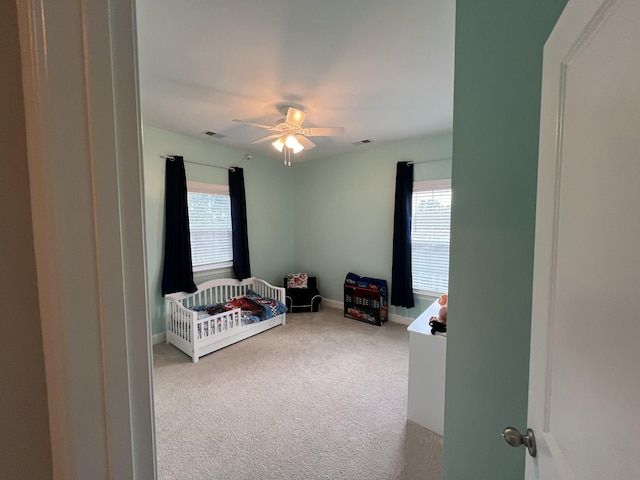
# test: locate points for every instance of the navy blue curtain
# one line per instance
(177, 273)
(241, 266)
(401, 282)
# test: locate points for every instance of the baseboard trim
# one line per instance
(159, 338)
(400, 319)
(327, 302)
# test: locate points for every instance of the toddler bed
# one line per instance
(222, 312)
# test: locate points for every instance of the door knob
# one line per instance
(514, 438)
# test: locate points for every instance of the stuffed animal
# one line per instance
(439, 323)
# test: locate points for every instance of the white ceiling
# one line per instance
(381, 69)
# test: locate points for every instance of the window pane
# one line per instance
(210, 226)
(430, 239)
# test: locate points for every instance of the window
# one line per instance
(431, 218)
(210, 225)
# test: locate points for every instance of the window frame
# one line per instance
(421, 186)
(212, 189)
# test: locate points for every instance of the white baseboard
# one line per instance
(400, 319)
(159, 338)
(332, 303)
(392, 318)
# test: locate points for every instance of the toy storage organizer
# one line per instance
(366, 299)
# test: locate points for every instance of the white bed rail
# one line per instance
(199, 336)
(223, 289)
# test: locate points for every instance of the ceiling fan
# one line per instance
(291, 134)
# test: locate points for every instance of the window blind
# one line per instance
(210, 227)
(430, 227)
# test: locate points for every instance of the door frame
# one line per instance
(84, 156)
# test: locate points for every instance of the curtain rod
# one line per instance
(427, 161)
(171, 157)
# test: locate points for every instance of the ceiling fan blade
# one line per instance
(268, 127)
(295, 117)
(266, 139)
(305, 142)
(323, 131)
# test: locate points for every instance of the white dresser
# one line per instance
(427, 356)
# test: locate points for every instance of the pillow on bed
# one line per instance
(297, 280)
(272, 307)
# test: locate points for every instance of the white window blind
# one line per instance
(430, 226)
(210, 225)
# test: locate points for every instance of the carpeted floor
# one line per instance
(323, 397)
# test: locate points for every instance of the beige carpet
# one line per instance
(323, 397)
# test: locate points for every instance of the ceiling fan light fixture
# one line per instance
(293, 143)
(290, 141)
(278, 144)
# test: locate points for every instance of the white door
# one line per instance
(584, 392)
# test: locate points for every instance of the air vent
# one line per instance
(209, 133)
(363, 142)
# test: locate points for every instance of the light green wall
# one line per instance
(268, 188)
(495, 146)
(326, 216)
(343, 215)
